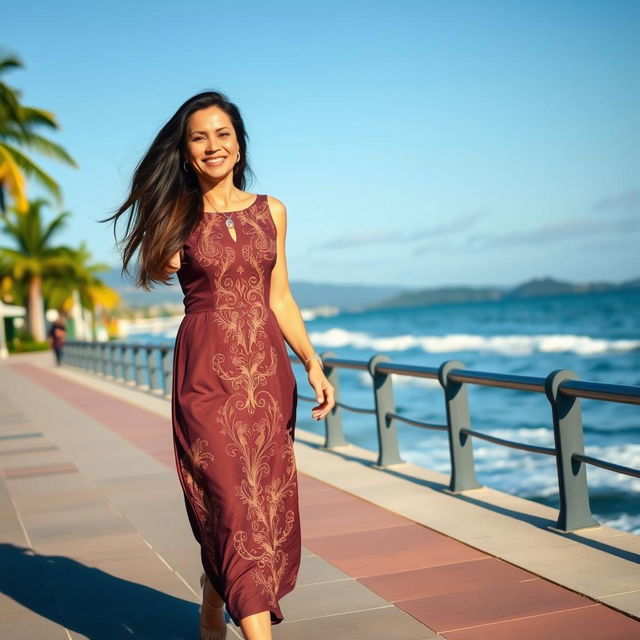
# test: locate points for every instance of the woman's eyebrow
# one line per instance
(202, 131)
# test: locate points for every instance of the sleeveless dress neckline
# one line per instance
(212, 213)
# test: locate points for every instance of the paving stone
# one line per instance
(28, 505)
(494, 603)
(32, 628)
(450, 578)
(326, 598)
(374, 624)
(314, 568)
(57, 530)
(589, 623)
(90, 547)
(390, 549)
(34, 486)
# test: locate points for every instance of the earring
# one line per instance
(184, 165)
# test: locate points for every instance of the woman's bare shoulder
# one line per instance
(278, 211)
(276, 205)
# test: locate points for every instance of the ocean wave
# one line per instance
(457, 342)
(616, 430)
(398, 380)
(624, 521)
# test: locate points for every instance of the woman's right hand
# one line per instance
(174, 264)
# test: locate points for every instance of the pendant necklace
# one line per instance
(229, 220)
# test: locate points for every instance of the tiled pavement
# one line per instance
(95, 540)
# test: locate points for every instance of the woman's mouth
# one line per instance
(215, 162)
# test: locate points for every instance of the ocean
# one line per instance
(595, 335)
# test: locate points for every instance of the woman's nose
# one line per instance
(212, 145)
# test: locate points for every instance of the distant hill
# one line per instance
(351, 297)
(439, 295)
(537, 287)
(550, 287)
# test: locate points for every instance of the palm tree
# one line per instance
(33, 258)
(94, 295)
(17, 124)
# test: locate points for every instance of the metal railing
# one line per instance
(149, 367)
(146, 366)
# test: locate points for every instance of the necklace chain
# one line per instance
(229, 219)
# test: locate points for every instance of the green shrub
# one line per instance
(23, 343)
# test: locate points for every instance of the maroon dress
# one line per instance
(233, 404)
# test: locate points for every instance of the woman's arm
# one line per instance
(281, 299)
(289, 317)
(174, 264)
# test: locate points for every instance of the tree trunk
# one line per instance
(35, 310)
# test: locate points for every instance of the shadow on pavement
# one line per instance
(90, 601)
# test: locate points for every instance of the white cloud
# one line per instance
(395, 236)
(624, 200)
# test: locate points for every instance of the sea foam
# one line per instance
(514, 344)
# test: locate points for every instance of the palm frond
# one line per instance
(54, 226)
(33, 170)
(32, 116)
(37, 143)
(9, 105)
(11, 177)
(10, 61)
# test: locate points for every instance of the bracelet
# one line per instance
(313, 356)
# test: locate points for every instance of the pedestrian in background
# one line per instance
(57, 334)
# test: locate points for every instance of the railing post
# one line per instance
(133, 378)
(334, 432)
(111, 361)
(167, 370)
(130, 366)
(122, 363)
(103, 358)
(151, 367)
(383, 394)
(137, 364)
(68, 353)
(95, 357)
(575, 511)
(463, 471)
(99, 359)
(85, 356)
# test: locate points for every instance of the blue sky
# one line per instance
(418, 143)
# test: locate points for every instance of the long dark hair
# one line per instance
(165, 200)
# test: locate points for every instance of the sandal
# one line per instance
(210, 634)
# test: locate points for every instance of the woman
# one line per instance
(56, 337)
(234, 393)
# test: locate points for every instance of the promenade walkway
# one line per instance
(95, 542)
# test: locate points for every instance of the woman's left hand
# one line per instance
(325, 393)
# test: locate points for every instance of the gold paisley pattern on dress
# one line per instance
(191, 464)
(251, 418)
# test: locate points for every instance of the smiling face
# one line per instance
(211, 145)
